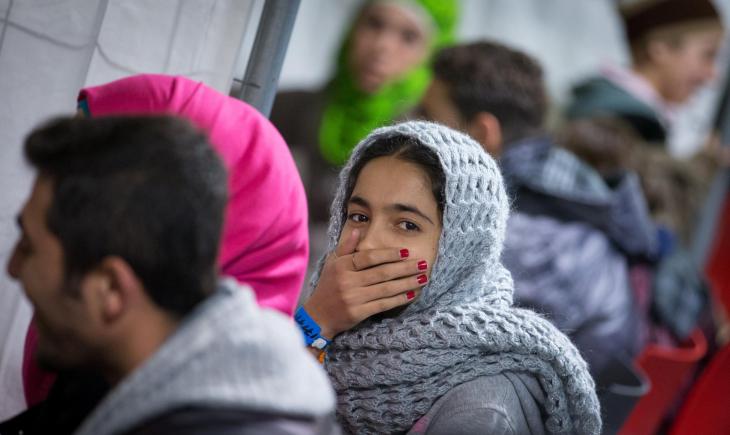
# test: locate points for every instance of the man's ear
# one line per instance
(486, 129)
(112, 289)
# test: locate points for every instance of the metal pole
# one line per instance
(706, 230)
(259, 84)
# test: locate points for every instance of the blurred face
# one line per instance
(387, 42)
(392, 206)
(37, 261)
(687, 65)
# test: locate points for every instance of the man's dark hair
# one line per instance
(150, 190)
(489, 77)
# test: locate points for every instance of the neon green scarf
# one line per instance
(351, 114)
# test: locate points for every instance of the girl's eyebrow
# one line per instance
(358, 200)
(410, 209)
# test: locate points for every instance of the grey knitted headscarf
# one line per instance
(388, 373)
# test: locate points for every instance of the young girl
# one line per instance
(426, 339)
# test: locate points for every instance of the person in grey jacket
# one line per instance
(117, 254)
(412, 306)
(571, 236)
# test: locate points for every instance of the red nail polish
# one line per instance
(422, 265)
(403, 253)
(410, 295)
(422, 279)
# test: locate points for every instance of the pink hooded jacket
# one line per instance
(265, 238)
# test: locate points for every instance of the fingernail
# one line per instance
(422, 279)
(422, 265)
(403, 253)
(410, 295)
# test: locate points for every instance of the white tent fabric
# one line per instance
(49, 49)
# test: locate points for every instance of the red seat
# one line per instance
(668, 369)
(706, 408)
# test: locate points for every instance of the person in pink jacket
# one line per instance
(265, 238)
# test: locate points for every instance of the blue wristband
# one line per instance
(310, 330)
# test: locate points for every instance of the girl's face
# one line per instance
(387, 42)
(392, 206)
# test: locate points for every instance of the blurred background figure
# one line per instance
(602, 142)
(572, 234)
(673, 46)
(380, 72)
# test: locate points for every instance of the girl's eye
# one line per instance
(408, 226)
(357, 217)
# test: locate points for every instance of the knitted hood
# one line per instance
(228, 353)
(265, 243)
(388, 373)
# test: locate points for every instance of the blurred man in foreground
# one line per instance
(117, 254)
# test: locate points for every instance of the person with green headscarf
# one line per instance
(381, 72)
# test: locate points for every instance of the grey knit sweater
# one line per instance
(388, 373)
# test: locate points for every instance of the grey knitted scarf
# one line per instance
(388, 373)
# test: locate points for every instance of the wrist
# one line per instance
(311, 331)
(324, 328)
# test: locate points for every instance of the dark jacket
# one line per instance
(674, 188)
(298, 116)
(72, 397)
(80, 393)
(216, 421)
(569, 244)
(601, 97)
